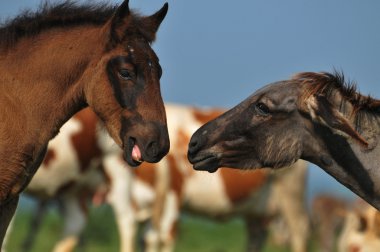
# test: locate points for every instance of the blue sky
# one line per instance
(217, 52)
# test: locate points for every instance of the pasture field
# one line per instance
(196, 234)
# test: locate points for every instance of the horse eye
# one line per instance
(124, 74)
(262, 109)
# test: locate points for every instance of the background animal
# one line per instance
(361, 231)
(134, 194)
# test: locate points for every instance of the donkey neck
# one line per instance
(42, 77)
(355, 166)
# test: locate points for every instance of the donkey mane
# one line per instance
(63, 14)
(327, 84)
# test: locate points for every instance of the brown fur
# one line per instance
(176, 177)
(147, 173)
(239, 185)
(52, 65)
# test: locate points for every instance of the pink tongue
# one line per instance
(136, 153)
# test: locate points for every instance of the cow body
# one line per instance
(160, 191)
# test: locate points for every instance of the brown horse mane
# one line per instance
(63, 14)
(327, 84)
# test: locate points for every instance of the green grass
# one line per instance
(100, 233)
(195, 234)
(199, 234)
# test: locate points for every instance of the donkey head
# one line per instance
(124, 89)
(274, 127)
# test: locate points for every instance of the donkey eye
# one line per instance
(124, 74)
(262, 109)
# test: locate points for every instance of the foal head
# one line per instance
(123, 85)
(281, 123)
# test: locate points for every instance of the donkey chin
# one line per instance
(205, 162)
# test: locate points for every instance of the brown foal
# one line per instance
(66, 57)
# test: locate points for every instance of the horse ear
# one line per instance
(122, 18)
(120, 21)
(323, 111)
(123, 10)
(153, 22)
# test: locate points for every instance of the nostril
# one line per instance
(193, 145)
(152, 149)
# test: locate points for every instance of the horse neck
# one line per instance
(42, 77)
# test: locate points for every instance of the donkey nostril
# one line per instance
(193, 145)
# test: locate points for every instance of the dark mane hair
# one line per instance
(62, 14)
(327, 84)
(66, 13)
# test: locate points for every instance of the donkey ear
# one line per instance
(120, 21)
(323, 111)
(153, 22)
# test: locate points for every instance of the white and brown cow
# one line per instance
(160, 191)
(71, 173)
(361, 231)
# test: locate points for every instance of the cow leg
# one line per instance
(169, 221)
(279, 230)
(257, 229)
(7, 210)
(120, 198)
(35, 224)
(326, 234)
(75, 219)
(290, 200)
(159, 236)
(298, 223)
(151, 239)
